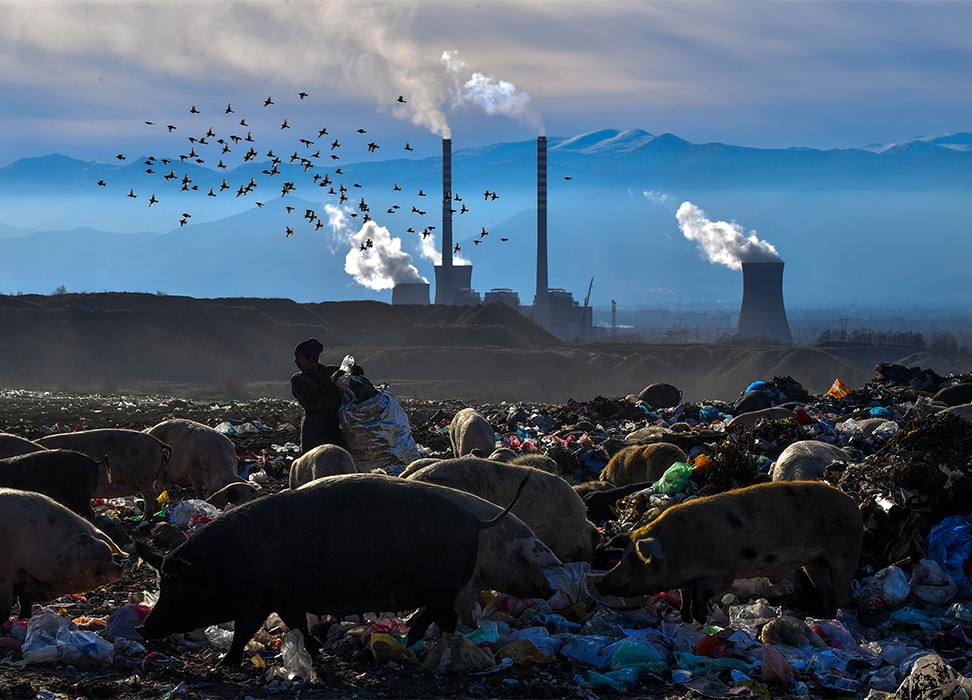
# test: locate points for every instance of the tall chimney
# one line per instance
(446, 203)
(541, 300)
(762, 314)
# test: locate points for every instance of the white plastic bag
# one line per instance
(378, 433)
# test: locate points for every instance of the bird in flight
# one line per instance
(120, 156)
(408, 147)
(267, 101)
(335, 144)
(285, 125)
(322, 132)
(457, 248)
(290, 232)
(362, 131)
(483, 233)
(504, 239)
(401, 99)
(131, 193)
(229, 108)
(102, 183)
(568, 177)
(301, 95)
(193, 110)
(396, 188)
(372, 147)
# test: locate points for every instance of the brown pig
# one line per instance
(48, 551)
(236, 493)
(470, 433)
(134, 458)
(323, 460)
(548, 504)
(201, 457)
(768, 530)
(639, 463)
(13, 445)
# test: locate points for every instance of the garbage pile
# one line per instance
(902, 454)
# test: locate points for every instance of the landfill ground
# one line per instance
(907, 480)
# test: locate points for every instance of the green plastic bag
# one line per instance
(675, 479)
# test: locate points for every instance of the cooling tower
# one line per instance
(541, 301)
(411, 293)
(762, 314)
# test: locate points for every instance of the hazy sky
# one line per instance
(81, 77)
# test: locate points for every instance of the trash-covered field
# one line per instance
(888, 444)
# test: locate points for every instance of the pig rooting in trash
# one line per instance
(307, 551)
(767, 530)
(48, 551)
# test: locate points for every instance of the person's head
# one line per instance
(307, 353)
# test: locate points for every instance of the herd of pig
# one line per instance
(442, 532)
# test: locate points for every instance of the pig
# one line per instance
(12, 445)
(69, 477)
(135, 460)
(768, 530)
(755, 400)
(638, 463)
(661, 395)
(417, 464)
(745, 420)
(503, 454)
(323, 460)
(304, 550)
(48, 552)
(541, 462)
(955, 395)
(601, 504)
(201, 457)
(548, 506)
(470, 433)
(805, 460)
(236, 493)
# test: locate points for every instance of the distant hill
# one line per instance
(896, 214)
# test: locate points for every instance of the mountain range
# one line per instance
(882, 225)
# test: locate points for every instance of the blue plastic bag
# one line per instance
(950, 544)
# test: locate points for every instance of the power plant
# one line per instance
(553, 309)
(762, 314)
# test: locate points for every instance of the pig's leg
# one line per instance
(444, 616)
(243, 630)
(702, 593)
(821, 575)
(297, 620)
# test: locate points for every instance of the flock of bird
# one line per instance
(313, 159)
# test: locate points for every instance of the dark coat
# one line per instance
(321, 399)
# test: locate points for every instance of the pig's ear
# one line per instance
(149, 555)
(538, 554)
(648, 548)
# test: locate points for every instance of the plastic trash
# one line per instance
(51, 638)
(701, 665)
(620, 680)
(886, 589)
(791, 632)
(914, 618)
(377, 432)
(192, 513)
(539, 637)
(453, 653)
(675, 479)
(930, 584)
(838, 390)
(297, 663)
(226, 428)
(590, 650)
(774, 667)
(122, 623)
(950, 544)
(754, 615)
(523, 652)
(384, 648)
(219, 637)
(931, 677)
(570, 583)
(646, 651)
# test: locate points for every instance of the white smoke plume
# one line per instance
(491, 95)
(431, 253)
(376, 259)
(723, 242)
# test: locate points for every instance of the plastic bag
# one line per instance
(674, 480)
(50, 638)
(377, 432)
(930, 584)
(886, 589)
(297, 662)
(950, 544)
(192, 513)
(838, 390)
(931, 677)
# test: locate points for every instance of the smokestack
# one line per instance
(541, 300)
(447, 203)
(762, 314)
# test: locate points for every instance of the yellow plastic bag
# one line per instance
(838, 390)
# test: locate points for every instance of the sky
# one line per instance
(82, 77)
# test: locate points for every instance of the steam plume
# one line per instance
(381, 264)
(723, 242)
(432, 254)
(491, 95)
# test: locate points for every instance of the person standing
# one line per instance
(318, 395)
